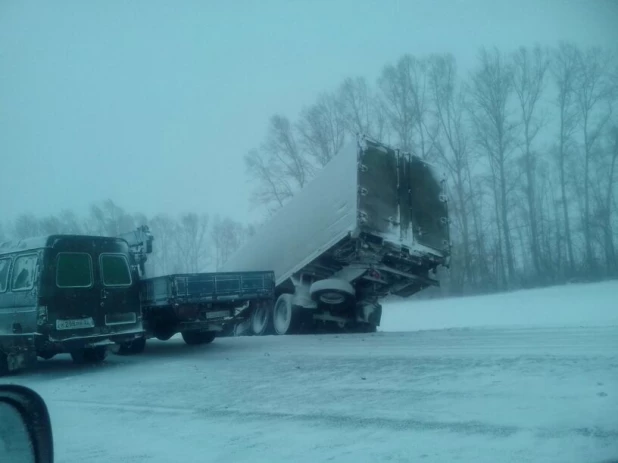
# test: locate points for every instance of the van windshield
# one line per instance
(115, 270)
(74, 270)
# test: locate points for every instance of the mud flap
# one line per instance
(369, 312)
(22, 359)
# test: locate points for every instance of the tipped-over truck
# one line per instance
(373, 222)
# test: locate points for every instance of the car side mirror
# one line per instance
(25, 427)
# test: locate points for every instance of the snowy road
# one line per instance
(481, 395)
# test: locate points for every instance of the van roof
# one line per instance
(39, 242)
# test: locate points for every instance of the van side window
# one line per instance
(115, 270)
(73, 270)
(23, 273)
(5, 264)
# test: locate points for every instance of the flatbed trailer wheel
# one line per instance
(194, 338)
(287, 318)
(89, 355)
(262, 320)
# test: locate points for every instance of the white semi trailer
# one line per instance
(373, 222)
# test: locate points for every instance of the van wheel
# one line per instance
(262, 320)
(194, 338)
(132, 348)
(287, 317)
(89, 355)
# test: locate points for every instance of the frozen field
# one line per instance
(526, 376)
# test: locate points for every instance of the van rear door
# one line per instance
(94, 287)
(119, 290)
(76, 298)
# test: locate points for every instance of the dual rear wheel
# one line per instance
(282, 318)
(287, 318)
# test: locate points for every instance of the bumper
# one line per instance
(78, 342)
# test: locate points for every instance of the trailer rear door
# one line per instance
(401, 198)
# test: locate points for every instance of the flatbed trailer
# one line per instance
(199, 306)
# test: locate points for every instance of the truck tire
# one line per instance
(332, 291)
(262, 320)
(194, 338)
(89, 355)
(132, 348)
(287, 317)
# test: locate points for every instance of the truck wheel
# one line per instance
(262, 320)
(131, 348)
(332, 291)
(194, 338)
(286, 316)
(89, 355)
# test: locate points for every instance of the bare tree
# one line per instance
(593, 90)
(273, 188)
(51, 225)
(163, 229)
(279, 167)
(453, 148)
(109, 219)
(70, 222)
(607, 168)
(227, 237)
(564, 70)
(321, 129)
(396, 84)
(26, 226)
(191, 241)
(491, 90)
(282, 146)
(362, 111)
(529, 70)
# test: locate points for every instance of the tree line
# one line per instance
(528, 140)
(187, 243)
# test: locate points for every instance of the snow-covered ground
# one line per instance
(523, 377)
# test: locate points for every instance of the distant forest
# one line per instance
(528, 140)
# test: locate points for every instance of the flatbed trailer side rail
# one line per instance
(204, 288)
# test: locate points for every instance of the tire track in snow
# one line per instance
(357, 422)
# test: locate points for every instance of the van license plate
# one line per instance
(77, 324)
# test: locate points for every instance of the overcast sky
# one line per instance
(154, 104)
